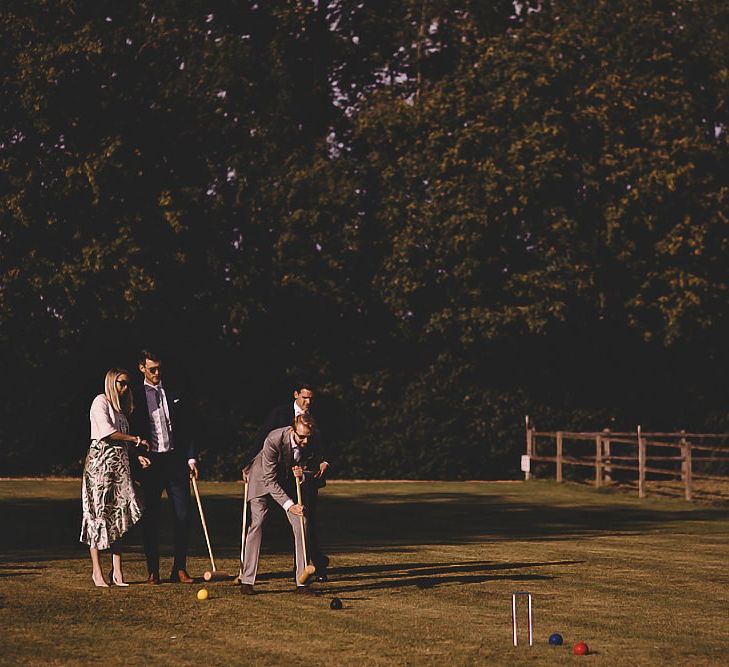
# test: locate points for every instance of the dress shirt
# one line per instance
(295, 449)
(298, 411)
(160, 431)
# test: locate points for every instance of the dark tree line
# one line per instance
(445, 214)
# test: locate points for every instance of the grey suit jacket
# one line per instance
(270, 472)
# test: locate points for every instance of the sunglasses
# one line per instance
(122, 383)
(301, 437)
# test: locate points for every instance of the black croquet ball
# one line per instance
(555, 639)
(336, 603)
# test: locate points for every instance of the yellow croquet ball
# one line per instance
(202, 594)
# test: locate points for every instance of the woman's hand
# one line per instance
(144, 461)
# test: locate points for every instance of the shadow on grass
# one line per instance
(419, 582)
(50, 527)
(13, 570)
(424, 570)
(423, 575)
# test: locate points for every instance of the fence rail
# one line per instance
(635, 452)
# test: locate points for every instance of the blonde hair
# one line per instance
(305, 419)
(112, 393)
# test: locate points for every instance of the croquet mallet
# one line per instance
(308, 569)
(210, 575)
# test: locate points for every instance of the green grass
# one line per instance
(425, 570)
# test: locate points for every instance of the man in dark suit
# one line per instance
(159, 416)
(313, 463)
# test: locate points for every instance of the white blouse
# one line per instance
(105, 420)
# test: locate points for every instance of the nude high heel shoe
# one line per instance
(112, 578)
(100, 583)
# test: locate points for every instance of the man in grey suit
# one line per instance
(272, 474)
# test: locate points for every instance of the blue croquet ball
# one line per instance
(555, 639)
(336, 603)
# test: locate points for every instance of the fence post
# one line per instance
(559, 456)
(598, 461)
(686, 466)
(607, 468)
(641, 466)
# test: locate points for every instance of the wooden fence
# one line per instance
(660, 455)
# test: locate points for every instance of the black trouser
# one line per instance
(169, 471)
(310, 496)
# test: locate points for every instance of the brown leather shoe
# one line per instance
(181, 577)
(247, 589)
(153, 578)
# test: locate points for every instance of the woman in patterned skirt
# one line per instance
(110, 505)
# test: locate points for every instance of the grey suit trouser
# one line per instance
(254, 534)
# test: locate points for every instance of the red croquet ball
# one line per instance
(580, 649)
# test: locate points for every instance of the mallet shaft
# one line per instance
(202, 519)
(308, 569)
(303, 531)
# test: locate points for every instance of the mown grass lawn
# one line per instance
(425, 571)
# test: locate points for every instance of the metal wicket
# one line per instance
(514, 622)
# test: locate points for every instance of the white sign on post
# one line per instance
(525, 461)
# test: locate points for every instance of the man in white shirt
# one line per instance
(159, 418)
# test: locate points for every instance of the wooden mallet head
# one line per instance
(308, 571)
(215, 575)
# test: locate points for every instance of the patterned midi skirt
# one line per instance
(110, 505)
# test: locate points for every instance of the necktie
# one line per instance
(161, 406)
(297, 454)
